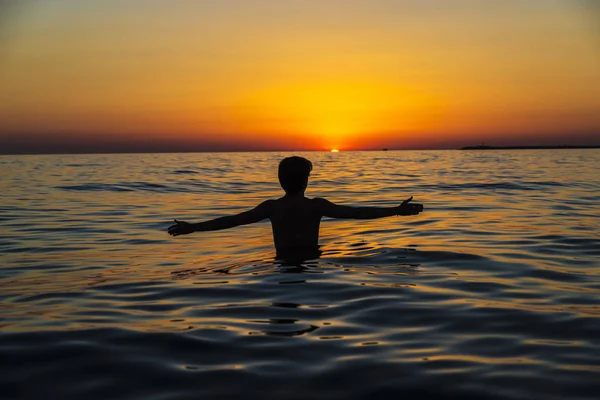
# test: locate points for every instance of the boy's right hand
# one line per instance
(409, 209)
(180, 228)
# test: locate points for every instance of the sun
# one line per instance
(334, 150)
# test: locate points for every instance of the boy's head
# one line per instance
(293, 174)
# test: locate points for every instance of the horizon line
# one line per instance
(464, 148)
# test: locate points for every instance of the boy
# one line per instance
(294, 218)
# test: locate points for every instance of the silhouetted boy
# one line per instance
(294, 218)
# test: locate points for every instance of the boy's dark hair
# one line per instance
(293, 174)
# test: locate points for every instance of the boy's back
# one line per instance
(295, 221)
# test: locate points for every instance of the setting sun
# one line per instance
(340, 112)
(335, 151)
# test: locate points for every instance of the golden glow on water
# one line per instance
(484, 360)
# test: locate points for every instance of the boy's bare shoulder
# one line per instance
(287, 203)
(267, 204)
(264, 209)
(321, 202)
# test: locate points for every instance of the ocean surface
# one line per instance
(493, 292)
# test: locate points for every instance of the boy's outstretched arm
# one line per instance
(332, 210)
(258, 213)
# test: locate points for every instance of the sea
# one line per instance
(493, 292)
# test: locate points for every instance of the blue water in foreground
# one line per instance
(492, 292)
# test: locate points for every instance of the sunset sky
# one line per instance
(213, 75)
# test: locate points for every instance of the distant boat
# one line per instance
(384, 149)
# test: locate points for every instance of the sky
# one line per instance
(235, 75)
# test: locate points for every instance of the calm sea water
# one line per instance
(492, 292)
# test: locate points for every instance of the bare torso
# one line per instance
(295, 221)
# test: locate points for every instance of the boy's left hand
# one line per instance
(180, 228)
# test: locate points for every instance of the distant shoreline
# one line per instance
(483, 147)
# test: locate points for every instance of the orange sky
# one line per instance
(152, 75)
